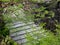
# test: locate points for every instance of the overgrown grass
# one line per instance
(43, 38)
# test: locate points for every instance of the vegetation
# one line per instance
(45, 13)
(42, 13)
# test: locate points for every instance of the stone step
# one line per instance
(19, 30)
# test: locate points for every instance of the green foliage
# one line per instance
(37, 1)
(16, 0)
(42, 13)
(5, 0)
(12, 13)
(9, 0)
(8, 41)
(46, 37)
(39, 9)
(4, 32)
(43, 38)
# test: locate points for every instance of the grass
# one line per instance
(41, 37)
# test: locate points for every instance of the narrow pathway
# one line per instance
(19, 29)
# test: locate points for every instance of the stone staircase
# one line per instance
(18, 31)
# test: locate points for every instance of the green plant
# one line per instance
(46, 37)
(8, 41)
(42, 15)
(43, 37)
(46, 13)
(4, 18)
